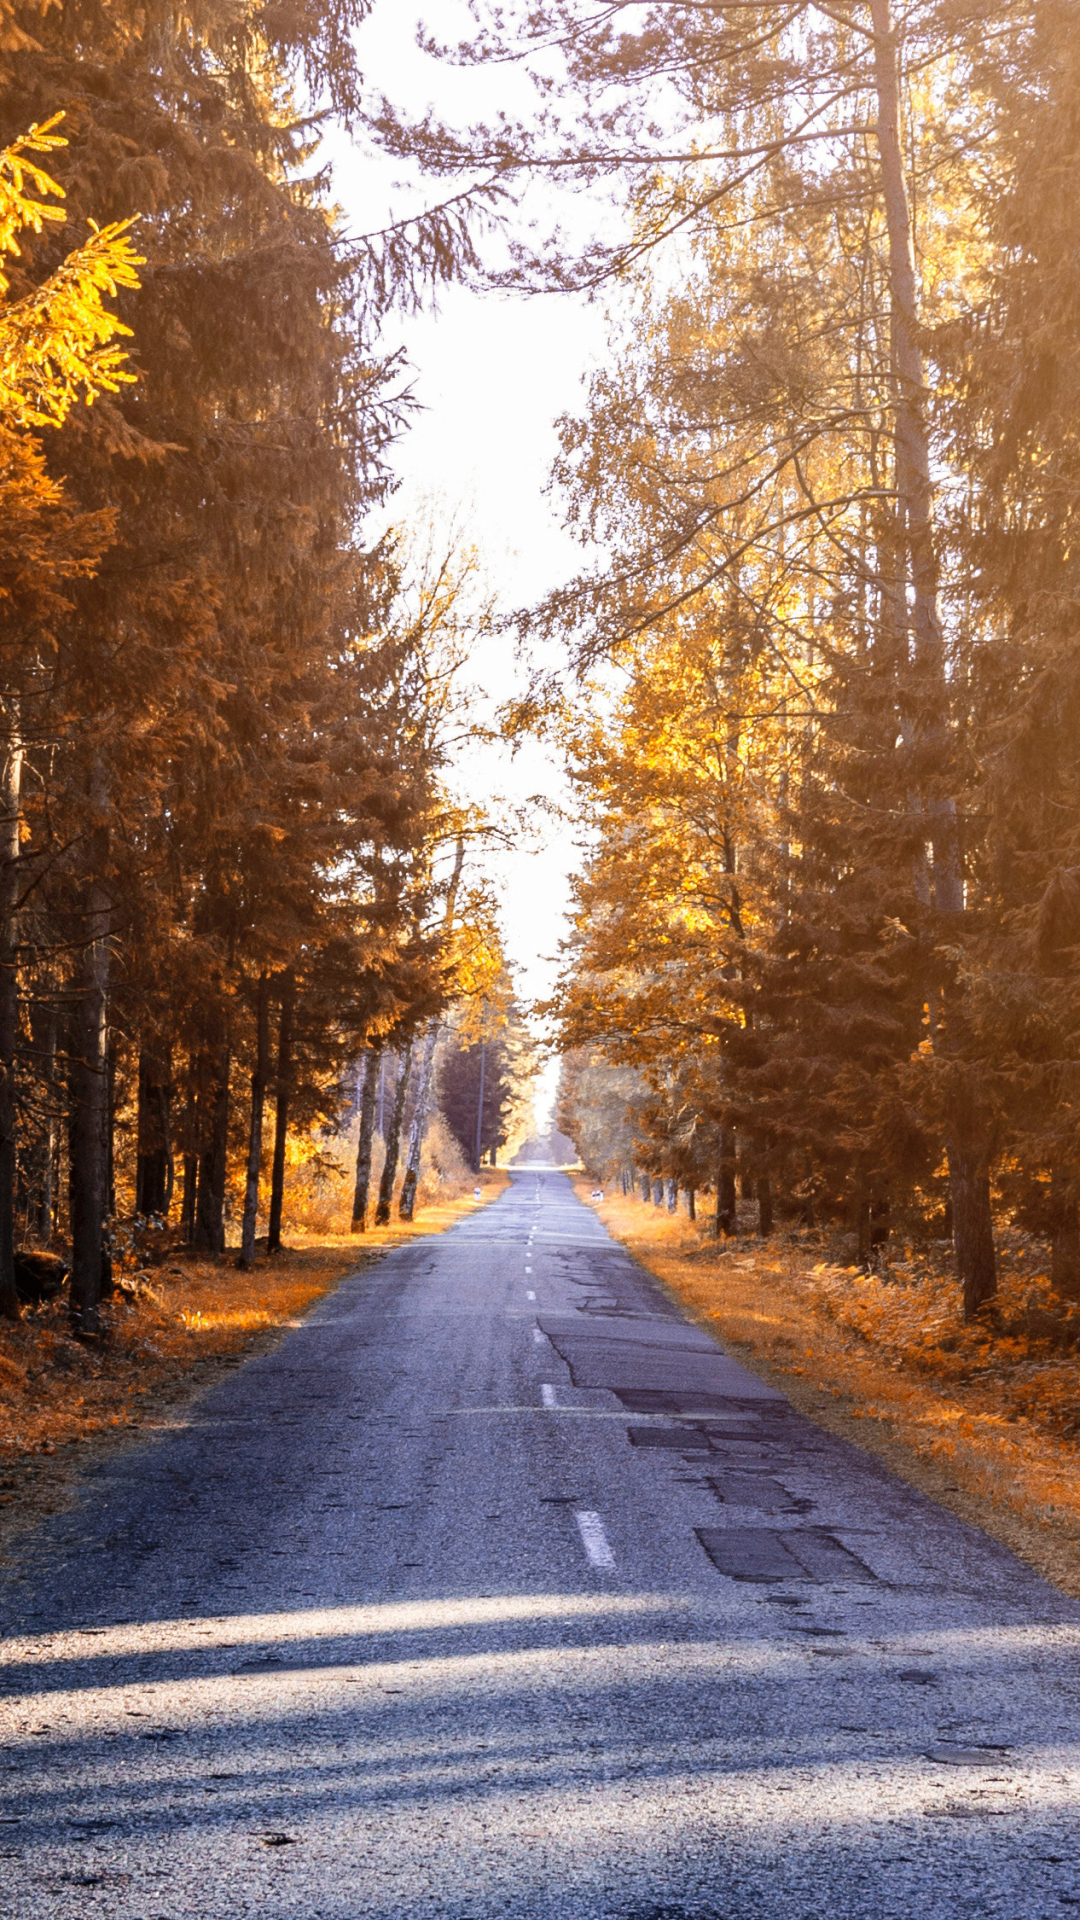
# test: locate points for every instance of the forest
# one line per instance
(816, 682)
(415, 1502)
(239, 904)
(824, 735)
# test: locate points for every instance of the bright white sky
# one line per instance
(493, 374)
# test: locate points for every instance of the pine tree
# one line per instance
(56, 347)
(218, 763)
(793, 173)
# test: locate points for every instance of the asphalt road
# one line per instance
(498, 1592)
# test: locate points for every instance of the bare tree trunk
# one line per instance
(259, 1078)
(282, 1092)
(189, 1140)
(646, 1187)
(1064, 1235)
(47, 1196)
(373, 1073)
(407, 1203)
(393, 1140)
(189, 1197)
(213, 1159)
(154, 1156)
(480, 1107)
(89, 1085)
(10, 811)
(970, 1180)
(726, 1208)
(973, 1225)
(110, 1163)
(763, 1186)
(672, 1195)
(691, 1203)
(861, 1210)
(914, 481)
(871, 1226)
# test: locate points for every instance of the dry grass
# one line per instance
(984, 1418)
(169, 1334)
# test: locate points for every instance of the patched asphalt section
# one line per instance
(376, 1630)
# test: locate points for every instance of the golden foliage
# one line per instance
(57, 341)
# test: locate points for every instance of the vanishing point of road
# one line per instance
(498, 1592)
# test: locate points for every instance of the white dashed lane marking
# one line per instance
(594, 1540)
(547, 1395)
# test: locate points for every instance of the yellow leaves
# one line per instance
(18, 172)
(240, 1319)
(57, 343)
(475, 965)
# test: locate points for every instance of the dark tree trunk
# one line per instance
(914, 473)
(880, 1224)
(726, 1210)
(189, 1140)
(862, 1230)
(763, 1185)
(625, 1179)
(646, 1187)
(480, 1108)
(259, 1079)
(189, 1198)
(973, 1224)
(47, 1195)
(691, 1203)
(89, 1117)
(672, 1195)
(658, 1193)
(393, 1140)
(368, 1101)
(110, 1165)
(282, 1095)
(871, 1227)
(1064, 1236)
(214, 1156)
(10, 802)
(154, 1159)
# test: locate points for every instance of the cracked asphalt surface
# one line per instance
(498, 1592)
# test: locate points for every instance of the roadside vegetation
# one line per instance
(245, 932)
